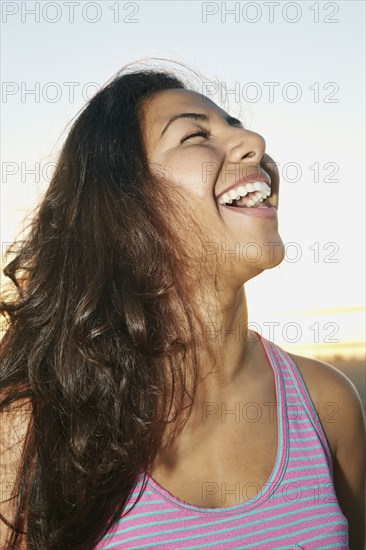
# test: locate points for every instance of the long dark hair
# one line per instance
(100, 330)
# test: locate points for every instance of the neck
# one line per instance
(227, 346)
(226, 355)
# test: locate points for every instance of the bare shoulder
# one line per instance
(331, 389)
(14, 422)
(336, 401)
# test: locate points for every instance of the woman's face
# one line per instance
(206, 164)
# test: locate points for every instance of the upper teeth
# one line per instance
(244, 189)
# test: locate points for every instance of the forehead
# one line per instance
(162, 105)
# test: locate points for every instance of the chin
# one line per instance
(273, 254)
(278, 254)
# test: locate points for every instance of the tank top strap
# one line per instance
(299, 406)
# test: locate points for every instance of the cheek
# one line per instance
(194, 171)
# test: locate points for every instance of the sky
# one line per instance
(292, 71)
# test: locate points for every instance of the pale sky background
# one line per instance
(322, 294)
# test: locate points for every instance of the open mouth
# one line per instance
(250, 195)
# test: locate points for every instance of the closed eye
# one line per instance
(203, 133)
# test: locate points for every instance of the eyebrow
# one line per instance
(199, 116)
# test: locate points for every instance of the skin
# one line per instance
(231, 152)
(221, 450)
(242, 372)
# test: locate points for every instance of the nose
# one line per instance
(245, 148)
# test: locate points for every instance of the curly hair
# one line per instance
(100, 329)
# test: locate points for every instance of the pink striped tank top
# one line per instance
(296, 508)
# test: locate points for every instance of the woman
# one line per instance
(121, 363)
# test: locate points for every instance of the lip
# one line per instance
(270, 212)
(258, 175)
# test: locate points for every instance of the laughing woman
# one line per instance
(132, 416)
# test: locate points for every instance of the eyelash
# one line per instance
(198, 133)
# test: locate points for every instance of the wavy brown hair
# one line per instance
(100, 330)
